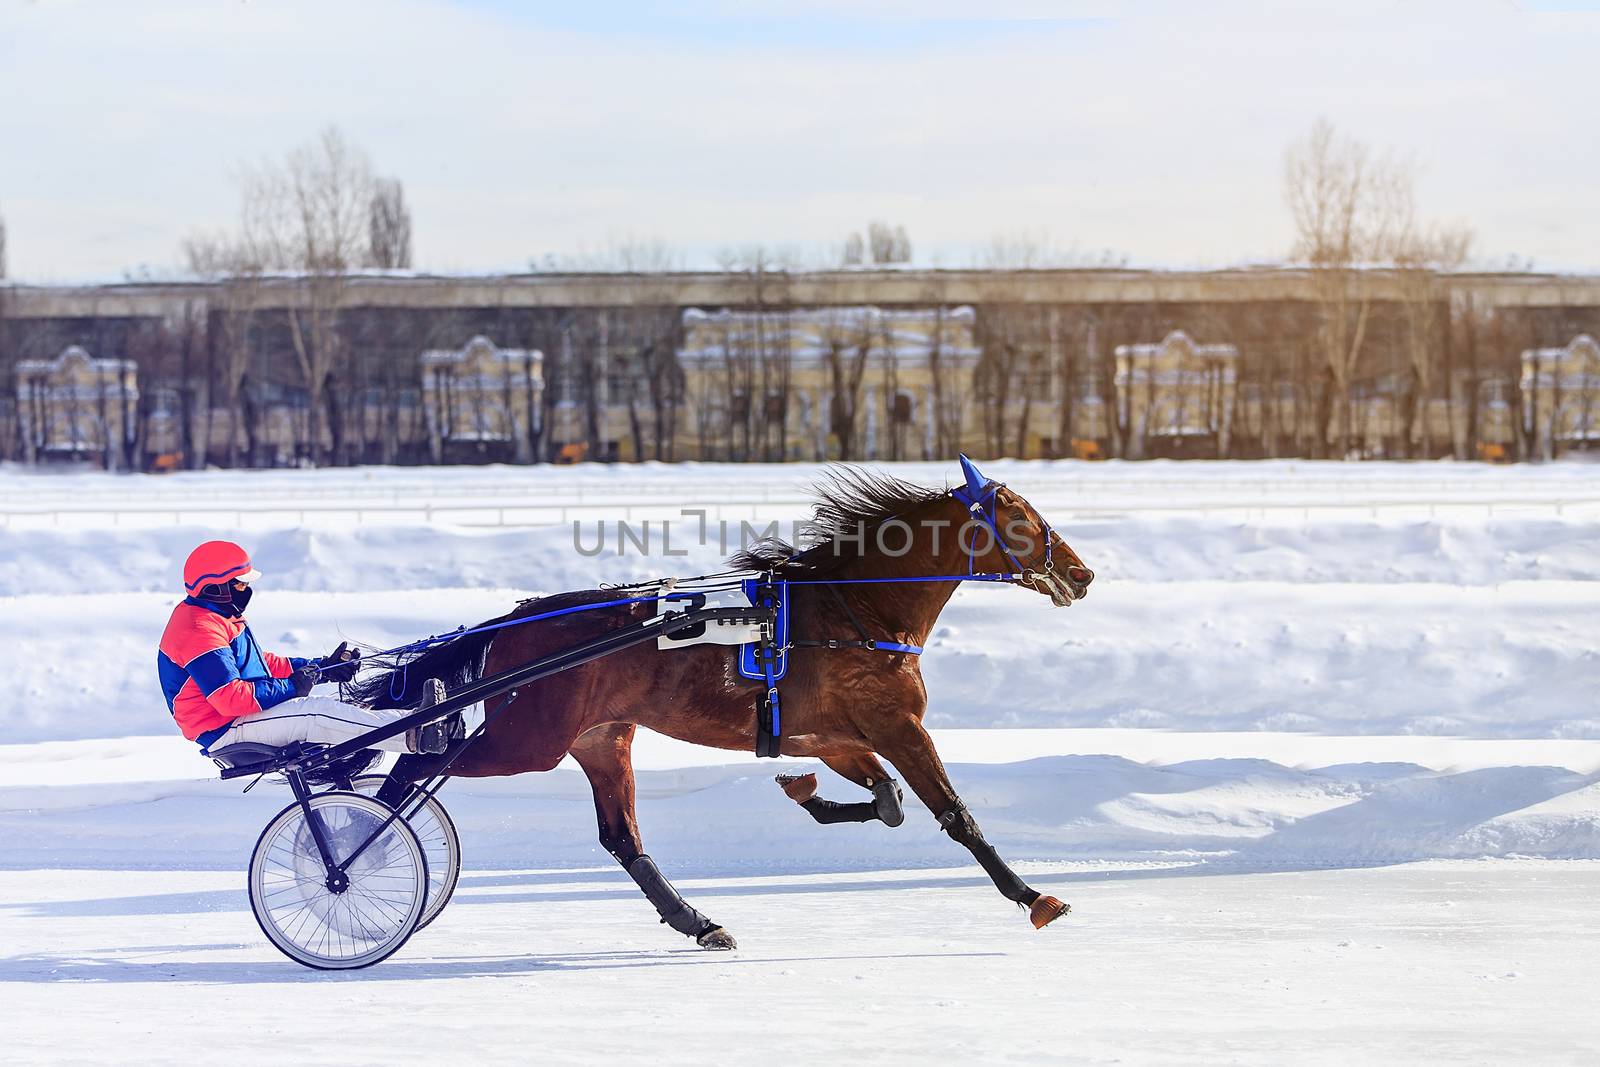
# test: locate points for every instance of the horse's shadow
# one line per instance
(1406, 814)
(617, 886)
(49, 970)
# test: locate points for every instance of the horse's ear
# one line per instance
(975, 479)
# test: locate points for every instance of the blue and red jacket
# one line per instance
(213, 672)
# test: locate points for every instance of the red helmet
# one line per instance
(216, 563)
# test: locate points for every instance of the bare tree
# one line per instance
(1475, 354)
(946, 386)
(1015, 339)
(855, 251)
(757, 360)
(1002, 366)
(645, 345)
(1348, 207)
(1420, 254)
(310, 214)
(888, 244)
(846, 339)
(235, 272)
(1037, 249)
(10, 424)
(388, 226)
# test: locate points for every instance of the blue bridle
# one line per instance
(978, 495)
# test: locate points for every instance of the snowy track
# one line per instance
(1487, 962)
(1317, 764)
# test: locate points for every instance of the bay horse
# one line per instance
(847, 706)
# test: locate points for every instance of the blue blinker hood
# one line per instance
(977, 488)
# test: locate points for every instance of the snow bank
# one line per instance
(1362, 618)
(1147, 549)
(127, 804)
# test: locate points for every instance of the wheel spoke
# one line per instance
(434, 831)
(381, 903)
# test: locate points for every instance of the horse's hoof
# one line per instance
(886, 797)
(717, 938)
(798, 787)
(1047, 910)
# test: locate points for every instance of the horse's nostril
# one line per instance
(1081, 575)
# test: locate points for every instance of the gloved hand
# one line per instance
(341, 664)
(303, 679)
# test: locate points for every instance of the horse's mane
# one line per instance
(849, 500)
(851, 503)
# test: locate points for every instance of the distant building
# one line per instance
(1561, 396)
(77, 408)
(821, 383)
(1176, 396)
(482, 402)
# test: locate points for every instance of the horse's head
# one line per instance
(1019, 540)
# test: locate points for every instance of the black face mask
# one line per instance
(231, 598)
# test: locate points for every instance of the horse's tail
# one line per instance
(399, 678)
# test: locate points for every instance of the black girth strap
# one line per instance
(861, 640)
(855, 620)
(769, 717)
(768, 740)
(841, 642)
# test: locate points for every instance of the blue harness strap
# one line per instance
(766, 660)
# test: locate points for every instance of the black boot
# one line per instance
(433, 739)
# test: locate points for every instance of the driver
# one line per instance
(223, 688)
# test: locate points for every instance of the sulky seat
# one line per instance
(268, 758)
(244, 753)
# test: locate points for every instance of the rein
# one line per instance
(462, 631)
(980, 503)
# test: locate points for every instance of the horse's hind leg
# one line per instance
(907, 745)
(862, 769)
(606, 755)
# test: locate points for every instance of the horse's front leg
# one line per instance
(864, 770)
(907, 745)
(606, 755)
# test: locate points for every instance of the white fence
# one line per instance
(272, 515)
(501, 497)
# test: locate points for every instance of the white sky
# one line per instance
(522, 129)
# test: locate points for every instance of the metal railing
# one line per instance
(759, 510)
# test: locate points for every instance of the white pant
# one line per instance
(319, 720)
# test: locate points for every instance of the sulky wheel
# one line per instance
(338, 923)
(440, 845)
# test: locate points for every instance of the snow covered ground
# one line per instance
(1306, 597)
(1317, 763)
(1427, 963)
